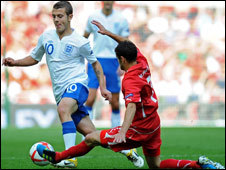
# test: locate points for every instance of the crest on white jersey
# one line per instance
(68, 49)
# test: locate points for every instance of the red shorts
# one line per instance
(150, 141)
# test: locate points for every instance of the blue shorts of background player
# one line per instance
(80, 93)
(110, 67)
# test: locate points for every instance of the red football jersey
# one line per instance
(137, 88)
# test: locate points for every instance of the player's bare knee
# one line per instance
(61, 112)
(64, 113)
(92, 139)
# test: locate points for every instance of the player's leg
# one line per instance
(115, 116)
(91, 140)
(73, 98)
(107, 138)
(93, 85)
(81, 149)
(153, 160)
(182, 164)
(190, 164)
(151, 149)
(202, 163)
(86, 126)
(113, 84)
(72, 101)
(66, 107)
(104, 138)
(82, 121)
(90, 101)
(152, 157)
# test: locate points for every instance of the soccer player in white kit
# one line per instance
(66, 52)
(65, 56)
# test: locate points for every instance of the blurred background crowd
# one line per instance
(184, 43)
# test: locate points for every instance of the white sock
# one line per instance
(69, 140)
(115, 120)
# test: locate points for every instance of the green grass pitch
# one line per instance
(177, 143)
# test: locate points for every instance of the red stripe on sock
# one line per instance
(174, 164)
(74, 151)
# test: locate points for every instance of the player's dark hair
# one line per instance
(64, 4)
(128, 50)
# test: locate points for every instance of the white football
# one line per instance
(35, 157)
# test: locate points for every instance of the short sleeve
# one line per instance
(89, 26)
(87, 52)
(132, 91)
(38, 52)
(125, 28)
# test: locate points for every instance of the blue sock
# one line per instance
(116, 111)
(69, 134)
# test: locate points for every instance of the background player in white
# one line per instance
(103, 49)
(65, 56)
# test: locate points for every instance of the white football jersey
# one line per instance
(104, 46)
(65, 59)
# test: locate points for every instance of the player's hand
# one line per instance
(106, 94)
(120, 137)
(102, 30)
(8, 62)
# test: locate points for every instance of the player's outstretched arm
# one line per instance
(104, 31)
(27, 61)
(129, 115)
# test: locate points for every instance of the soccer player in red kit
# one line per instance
(141, 125)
